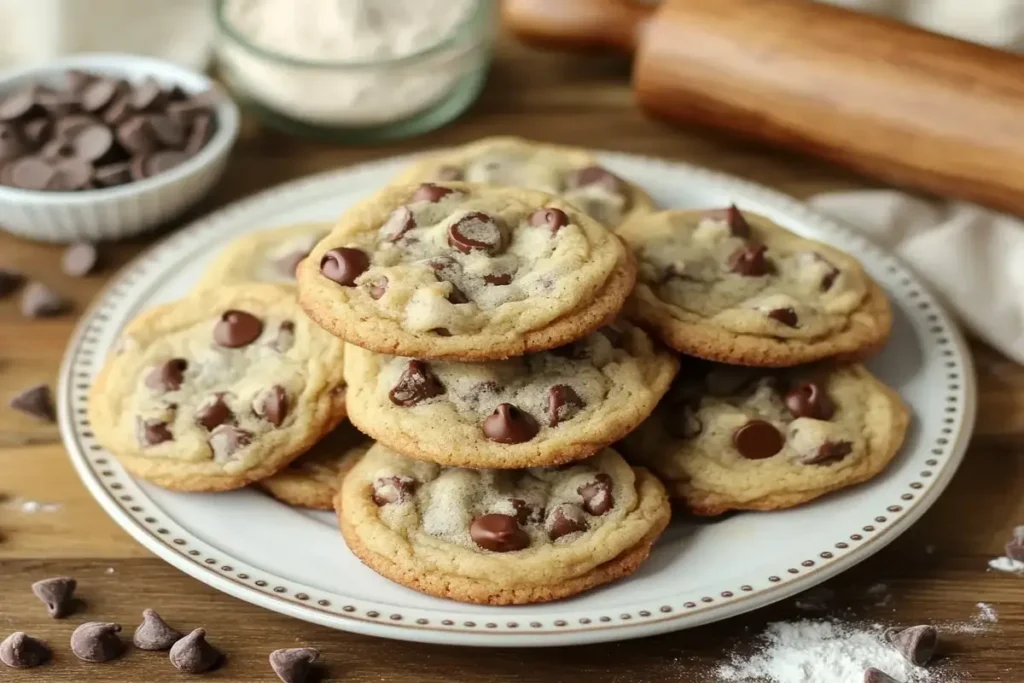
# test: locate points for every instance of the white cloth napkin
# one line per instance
(971, 256)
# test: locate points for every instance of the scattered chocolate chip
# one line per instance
(285, 337)
(595, 175)
(477, 231)
(738, 225)
(524, 512)
(293, 665)
(97, 642)
(36, 401)
(447, 173)
(236, 329)
(563, 404)
(829, 452)
(749, 260)
(757, 440)
(344, 265)
(873, 675)
(509, 424)
(39, 301)
(917, 644)
(395, 489)
(498, 533)
(151, 432)
(79, 259)
(552, 219)
(213, 412)
(597, 495)
(192, 654)
(21, 651)
(1015, 548)
(10, 280)
(58, 594)
(398, 223)
(417, 383)
(154, 633)
(786, 316)
(226, 440)
(377, 287)
(272, 405)
(564, 520)
(498, 279)
(810, 400)
(429, 192)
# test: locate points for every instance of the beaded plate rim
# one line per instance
(126, 503)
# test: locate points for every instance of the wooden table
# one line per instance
(935, 572)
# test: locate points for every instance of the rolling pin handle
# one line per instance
(578, 24)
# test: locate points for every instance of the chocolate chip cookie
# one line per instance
(269, 255)
(313, 479)
(734, 438)
(218, 390)
(572, 173)
(537, 410)
(466, 272)
(501, 537)
(734, 287)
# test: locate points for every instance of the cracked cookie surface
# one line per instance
(733, 438)
(733, 287)
(501, 536)
(468, 272)
(267, 255)
(218, 390)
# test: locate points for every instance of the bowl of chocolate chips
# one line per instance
(105, 146)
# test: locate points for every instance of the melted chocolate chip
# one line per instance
(498, 279)
(344, 265)
(829, 278)
(169, 376)
(498, 533)
(810, 400)
(236, 329)
(213, 412)
(786, 316)
(509, 424)
(285, 337)
(477, 231)
(416, 384)
(597, 495)
(152, 432)
(830, 452)
(595, 175)
(524, 512)
(552, 219)
(757, 440)
(398, 223)
(749, 261)
(392, 490)
(738, 226)
(563, 404)
(564, 520)
(272, 405)
(226, 440)
(377, 287)
(429, 192)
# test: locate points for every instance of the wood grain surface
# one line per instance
(936, 572)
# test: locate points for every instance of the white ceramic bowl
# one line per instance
(117, 212)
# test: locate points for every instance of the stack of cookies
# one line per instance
(492, 324)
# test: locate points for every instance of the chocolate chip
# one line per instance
(398, 223)
(272, 405)
(1015, 548)
(101, 92)
(39, 301)
(93, 143)
(563, 404)
(10, 280)
(810, 400)
(236, 329)
(455, 295)
(757, 440)
(164, 161)
(285, 337)
(110, 175)
(524, 512)
(97, 642)
(829, 452)
(377, 287)
(226, 440)
(21, 104)
(202, 131)
(396, 489)
(344, 265)
(738, 225)
(79, 259)
(151, 432)
(829, 278)
(429, 192)
(213, 412)
(293, 665)
(552, 219)
(138, 166)
(416, 384)
(31, 173)
(873, 675)
(192, 654)
(36, 401)
(169, 376)
(917, 644)
(749, 261)
(137, 136)
(597, 495)
(148, 95)
(498, 533)
(66, 128)
(442, 331)
(70, 175)
(786, 316)
(57, 594)
(21, 651)
(498, 279)
(508, 424)
(564, 520)
(119, 111)
(595, 175)
(77, 81)
(154, 633)
(477, 231)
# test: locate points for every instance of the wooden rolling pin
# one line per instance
(889, 100)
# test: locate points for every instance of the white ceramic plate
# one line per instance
(295, 562)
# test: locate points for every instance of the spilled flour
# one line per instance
(1007, 564)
